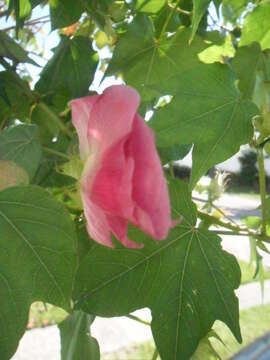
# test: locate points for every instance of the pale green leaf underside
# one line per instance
(256, 27)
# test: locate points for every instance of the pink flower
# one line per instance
(122, 180)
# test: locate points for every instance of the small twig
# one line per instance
(155, 355)
(56, 153)
(171, 169)
(133, 317)
(216, 221)
(228, 233)
(27, 24)
(216, 208)
(172, 12)
(180, 10)
(53, 117)
(217, 24)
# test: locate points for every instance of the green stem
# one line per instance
(236, 230)
(155, 355)
(169, 18)
(54, 118)
(171, 169)
(138, 319)
(55, 152)
(215, 207)
(229, 233)
(215, 221)
(262, 189)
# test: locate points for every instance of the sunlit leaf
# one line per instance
(256, 26)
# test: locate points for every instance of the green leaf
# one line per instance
(37, 259)
(199, 9)
(22, 9)
(76, 340)
(245, 64)
(72, 57)
(206, 110)
(162, 17)
(146, 63)
(21, 145)
(16, 97)
(257, 26)
(187, 281)
(175, 152)
(253, 222)
(25, 8)
(65, 12)
(45, 119)
(220, 49)
(12, 175)
(10, 49)
(233, 9)
(205, 351)
(150, 6)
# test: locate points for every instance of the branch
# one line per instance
(29, 23)
(136, 318)
(216, 208)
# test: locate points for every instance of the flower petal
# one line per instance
(111, 189)
(112, 116)
(97, 225)
(81, 113)
(119, 228)
(150, 190)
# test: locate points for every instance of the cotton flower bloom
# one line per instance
(122, 180)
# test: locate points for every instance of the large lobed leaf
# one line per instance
(206, 110)
(37, 258)
(146, 62)
(72, 67)
(187, 281)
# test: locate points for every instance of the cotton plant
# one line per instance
(90, 219)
